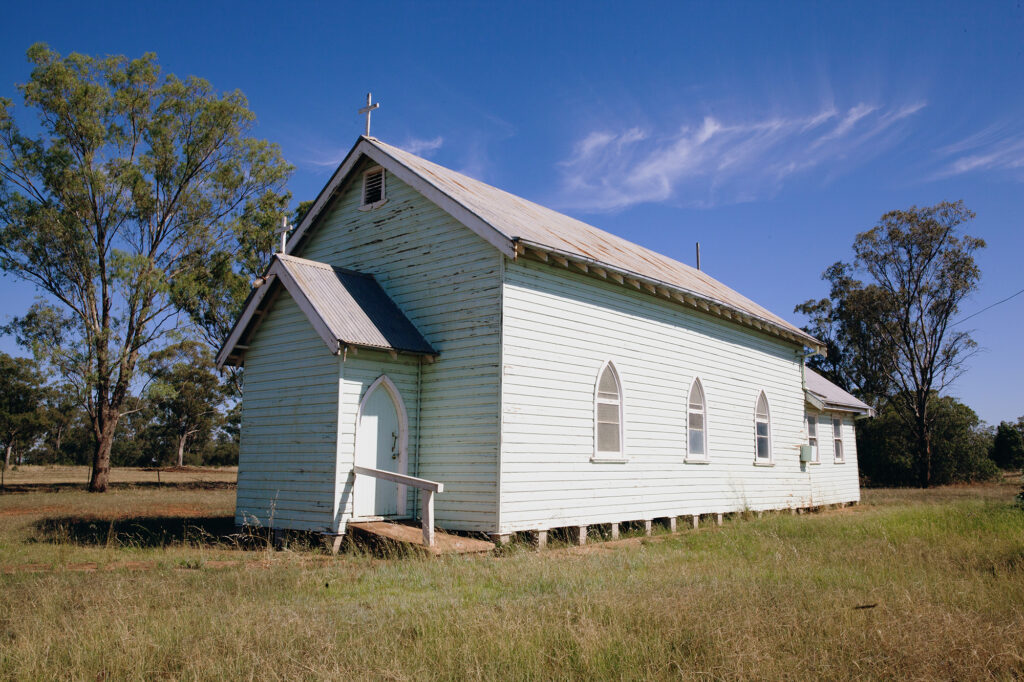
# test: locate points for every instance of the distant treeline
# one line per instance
(964, 448)
(182, 415)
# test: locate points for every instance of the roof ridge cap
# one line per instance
(542, 207)
(304, 261)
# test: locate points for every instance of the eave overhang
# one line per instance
(663, 290)
(820, 404)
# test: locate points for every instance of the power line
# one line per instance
(987, 308)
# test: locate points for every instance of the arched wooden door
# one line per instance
(381, 440)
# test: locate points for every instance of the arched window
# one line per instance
(696, 423)
(762, 430)
(608, 415)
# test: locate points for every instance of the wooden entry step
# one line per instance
(413, 535)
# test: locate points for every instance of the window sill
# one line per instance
(764, 464)
(814, 463)
(608, 460)
(839, 461)
(696, 461)
(376, 204)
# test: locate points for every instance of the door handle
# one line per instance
(394, 445)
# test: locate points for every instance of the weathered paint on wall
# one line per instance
(559, 328)
(287, 457)
(447, 281)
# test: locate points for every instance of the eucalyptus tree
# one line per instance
(186, 394)
(116, 205)
(857, 358)
(894, 331)
(214, 298)
(1008, 447)
(22, 392)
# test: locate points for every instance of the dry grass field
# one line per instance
(148, 582)
(36, 477)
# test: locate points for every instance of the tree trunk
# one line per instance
(181, 449)
(56, 447)
(927, 449)
(101, 457)
(923, 456)
(7, 455)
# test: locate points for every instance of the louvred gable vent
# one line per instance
(373, 187)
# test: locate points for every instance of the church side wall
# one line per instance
(286, 460)
(833, 481)
(560, 328)
(448, 283)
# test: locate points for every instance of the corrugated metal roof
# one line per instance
(354, 307)
(832, 395)
(519, 219)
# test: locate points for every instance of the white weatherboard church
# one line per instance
(432, 347)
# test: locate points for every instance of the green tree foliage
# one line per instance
(214, 293)
(301, 210)
(187, 395)
(58, 414)
(139, 442)
(893, 335)
(223, 451)
(1008, 447)
(215, 301)
(121, 210)
(22, 392)
(857, 358)
(885, 446)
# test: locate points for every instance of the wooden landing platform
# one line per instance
(413, 535)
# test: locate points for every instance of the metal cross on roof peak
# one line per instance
(367, 109)
(285, 229)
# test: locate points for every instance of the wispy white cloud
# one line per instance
(422, 147)
(998, 148)
(331, 156)
(718, 161)
(326, 158)
(846, 123)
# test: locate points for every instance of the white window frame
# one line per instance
(812, 418)
(769, 460)
(602, 455)
(706, 456)
(363, 206)
(838, 451)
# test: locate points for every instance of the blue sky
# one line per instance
(770, 132)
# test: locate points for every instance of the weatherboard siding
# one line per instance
(831, 481)
(447, 281)
(287, 457)
(559, 328)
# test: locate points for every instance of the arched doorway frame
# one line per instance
(385, 382)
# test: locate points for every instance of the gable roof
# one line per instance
(828, 396)
(346, 308)
(518, 227)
